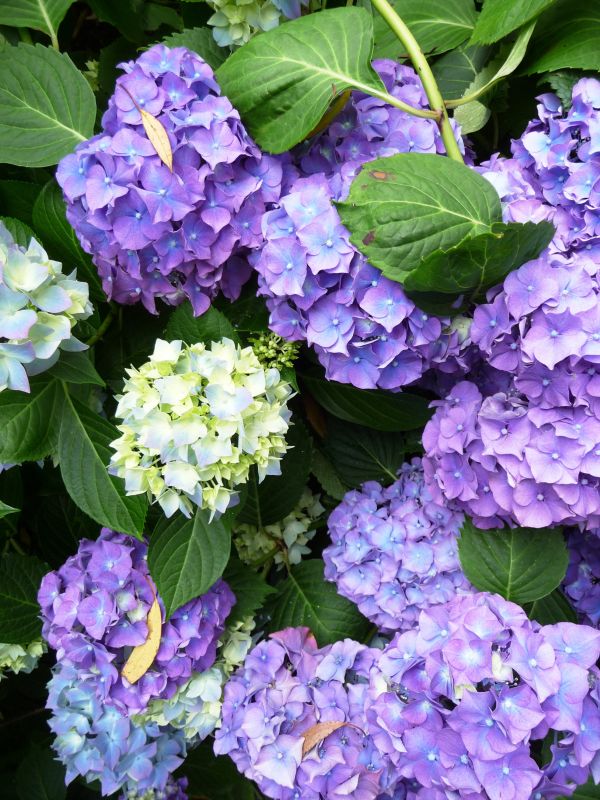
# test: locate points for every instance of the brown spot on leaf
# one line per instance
(369, 238)
(378, 175)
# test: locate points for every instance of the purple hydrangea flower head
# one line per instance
(286, 686)
(94, 609)
(318, 287)
(156, 233)
(394, 550)
(460, 703)
(582, 581)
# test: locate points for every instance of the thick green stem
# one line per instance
(25, 36)
(424, 71)
(104, 326)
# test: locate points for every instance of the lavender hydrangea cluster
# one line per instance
(525, 448)
(582, 581)
(286, 687)
(394, 550)
(462, 704)
(318, 287)
(174, 790)
(154, 232)
(39, 307)
(94, 610)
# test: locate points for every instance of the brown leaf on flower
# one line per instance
(334, 109)
(155, 131)
(141, 657)
(317, 733)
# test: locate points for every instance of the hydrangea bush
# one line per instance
(299, 400)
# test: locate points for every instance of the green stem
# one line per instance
(423, 69)
(25, 36)
(104, 326)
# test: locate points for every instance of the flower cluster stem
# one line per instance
(423, 69)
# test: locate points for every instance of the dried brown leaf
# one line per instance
(155, 131)
(317, 733)
(141, 657)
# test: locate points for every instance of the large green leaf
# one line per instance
(521, 564)
(76, 368)
(211, 326)
(567, 38)
(20, 578)
(437, 27)
(17, 199)
(325, 472)
(550, 609)
(455, 71)
(498, 18)
(187, 556)
(46, 106)
(58, 237)
(216, 777)
(305, 598)
(274, 498)
(588, 792)
(42, 15)
(20, 231)
(201, 41)
(250, 590)
(283, 81)
(361, 454)
(29, 423)
(403, 208)
(84, 454)
(40, 776)
(384, 411)
(480, 263)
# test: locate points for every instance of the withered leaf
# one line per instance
(317, 733)
(141, 657)
(155, 131)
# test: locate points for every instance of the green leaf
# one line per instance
(6, 510)
(437, 27)
(384, 411)
(455, 71)
(562, 84)
(132, 18)
(200, 41)
(58, 237)
(40, 776)
(521, 564)
(325, 473)
(216, 777)
(567, 38)
(305, 598)
(249, 312)
(41, 15)
(250, 590)
(550, 609)
(277, 495)
(187, 556)
(480, 263)
(361, 454)
(17, 199)
(283, 81)
(46, 106)
(212, 326)
(76, 368)
(403, 208)
(84, 454)
(20, 232)
(469, 115)
(29, 422)
(588, 792)
(498, 18)
(20, 578)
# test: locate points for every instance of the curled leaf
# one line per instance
(155, 131)
(317, 733)
(141, 657)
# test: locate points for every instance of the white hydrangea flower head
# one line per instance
(236, 21)
(288, 538)
(196, 419)
(39, 306)
(15, 658)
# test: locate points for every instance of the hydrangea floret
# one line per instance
(174, 790)
(521, 445)
(195, 420)
(236, 21)
(94, 610)
(170, 234)
(462, 704)
(394, 550)
(39, 307)
(582, 581)
(318, 287)
(16, 658)
(285, 540)
(286, 686)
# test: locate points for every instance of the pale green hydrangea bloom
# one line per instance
(195, 420)
(15, 658)
(39, 306)
(288, 538)
(273, 351)
(234, 23)
(195, 708)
